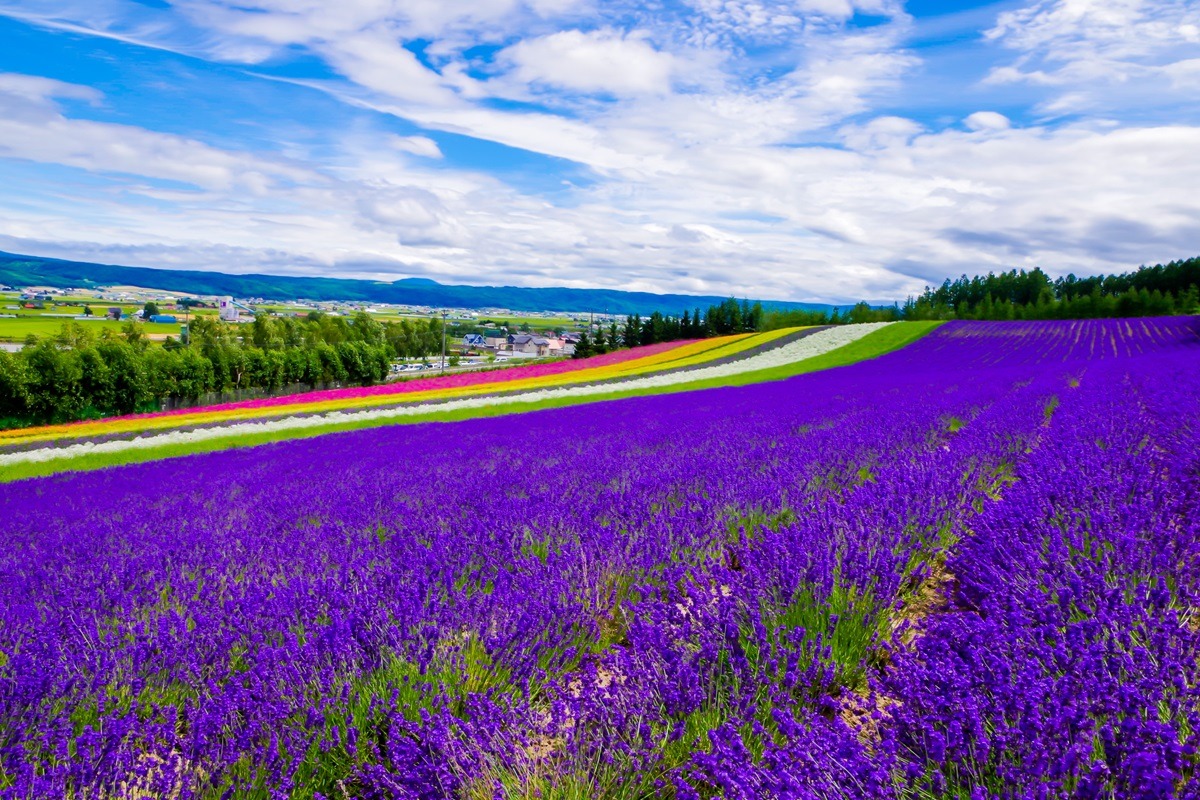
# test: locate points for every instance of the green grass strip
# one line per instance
(873, 345)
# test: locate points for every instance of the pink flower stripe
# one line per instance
(507, 375)
(450, 381)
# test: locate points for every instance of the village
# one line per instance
(474, 337)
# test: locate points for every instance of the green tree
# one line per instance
(127, 377)
(583, 349)
(75, 336)
(367, 329)
(135, 335)
(193, 374)
(54, 386)
(332, 368)
(263, 334)
(14, 389)
(95, 384)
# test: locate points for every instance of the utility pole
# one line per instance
(445, 313)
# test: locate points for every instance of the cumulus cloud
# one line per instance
(594, 61)
(987, 121)
(880, 132)
(416, 216)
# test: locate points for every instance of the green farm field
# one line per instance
(15, 329)
(535, 323)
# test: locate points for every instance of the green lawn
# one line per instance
(873, 345)
(16, 329)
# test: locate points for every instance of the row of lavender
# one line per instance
(1070, 641)
(965, 569)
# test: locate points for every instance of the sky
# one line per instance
(811, 150)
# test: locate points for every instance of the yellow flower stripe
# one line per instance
(102, 427)
(726, 346)
(685, 355)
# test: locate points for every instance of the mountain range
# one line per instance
(25, 270)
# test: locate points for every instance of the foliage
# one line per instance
(1160, 290)
(72, 376)
(722, 319)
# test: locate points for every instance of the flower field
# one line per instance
(743, 358)
(969, 568)
(617, 365)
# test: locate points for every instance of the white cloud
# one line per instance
(594, 61)
(32, 127)
(905, 207)
(1089, 46)
(39, 91)
(881, 132)
(416, 145)
(376, 61)
(415, 216)
(1184, 74)
(987, 121)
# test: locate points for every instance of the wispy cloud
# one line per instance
(1099, 54)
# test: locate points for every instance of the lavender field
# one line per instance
(968, 569)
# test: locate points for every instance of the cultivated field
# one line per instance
(654, 369)
(16, 329)
(965, 569)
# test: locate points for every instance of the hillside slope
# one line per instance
(24, 270)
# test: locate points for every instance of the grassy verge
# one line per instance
(870, 346)
(873, 345)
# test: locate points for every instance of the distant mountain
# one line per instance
(20, 270)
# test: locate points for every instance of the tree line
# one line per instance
(1149, 291)
(1018, 294)
(729, 316)
(79, 375)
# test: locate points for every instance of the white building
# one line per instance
(227, 311)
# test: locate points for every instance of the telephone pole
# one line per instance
(445, 313)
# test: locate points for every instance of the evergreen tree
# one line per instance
(632, 333)
(584, 348)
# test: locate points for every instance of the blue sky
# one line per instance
(825, 150)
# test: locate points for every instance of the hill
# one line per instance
(25, 270)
